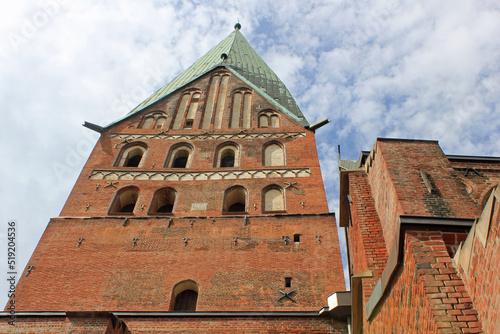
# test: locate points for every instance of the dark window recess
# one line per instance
(288, 282)
(180, 162)
(186, 301)
(296, 238)
(167, 208)
(227, 161)
(134, 161)
(128, 208)
(189, 123)
(237, 207)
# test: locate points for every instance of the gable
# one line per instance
(217, 100)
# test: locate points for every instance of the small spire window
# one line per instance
(154, 120)
(269, 118)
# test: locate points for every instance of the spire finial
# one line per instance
(237, 26)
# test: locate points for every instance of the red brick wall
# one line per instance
(483, 278)
(304, 325)
(405, 309)
(478, 186)
(435, 302)
(56, 325)
(398, 187)
(194, 325)
(108, 273)
(367, 246)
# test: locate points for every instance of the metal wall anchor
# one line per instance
(80, 241)
(186, 241)
(30, 268)
(287, 295)
(135, 241)
(286, 239)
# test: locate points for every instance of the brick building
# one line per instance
(200, 211)
(423, 239)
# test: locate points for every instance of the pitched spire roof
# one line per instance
(235, 54)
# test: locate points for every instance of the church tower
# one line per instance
(201, 211)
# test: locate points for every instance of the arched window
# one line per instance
(215, 101)
(273, 198)
(148, 122)
(131, 155)
(180, 156)
(263, 121)
(163, 201)
(180, 159)
(154, 120)
(124, 201)
(275, 121)
(227, 158)
(269, 118)
(187, 109)
(241, 109)
(160, 122)
(228, 155)
(235, 200)
(274, 154)
(185, 296)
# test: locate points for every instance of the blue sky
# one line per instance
(408, 69)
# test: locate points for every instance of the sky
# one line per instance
(401, 69)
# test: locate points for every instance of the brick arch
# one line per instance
(235, 200)
(241, 89)
(182, 302)
(220, 150)
(163, 202)
(174, 150)
(266, 119)
(127, 152)
(125, 201)
(186, 109)
(272, 157)
(485, 195)
(273, 198)
(153, 120)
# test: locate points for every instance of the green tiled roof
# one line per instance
(244, 62)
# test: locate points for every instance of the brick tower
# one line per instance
(202, 210)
